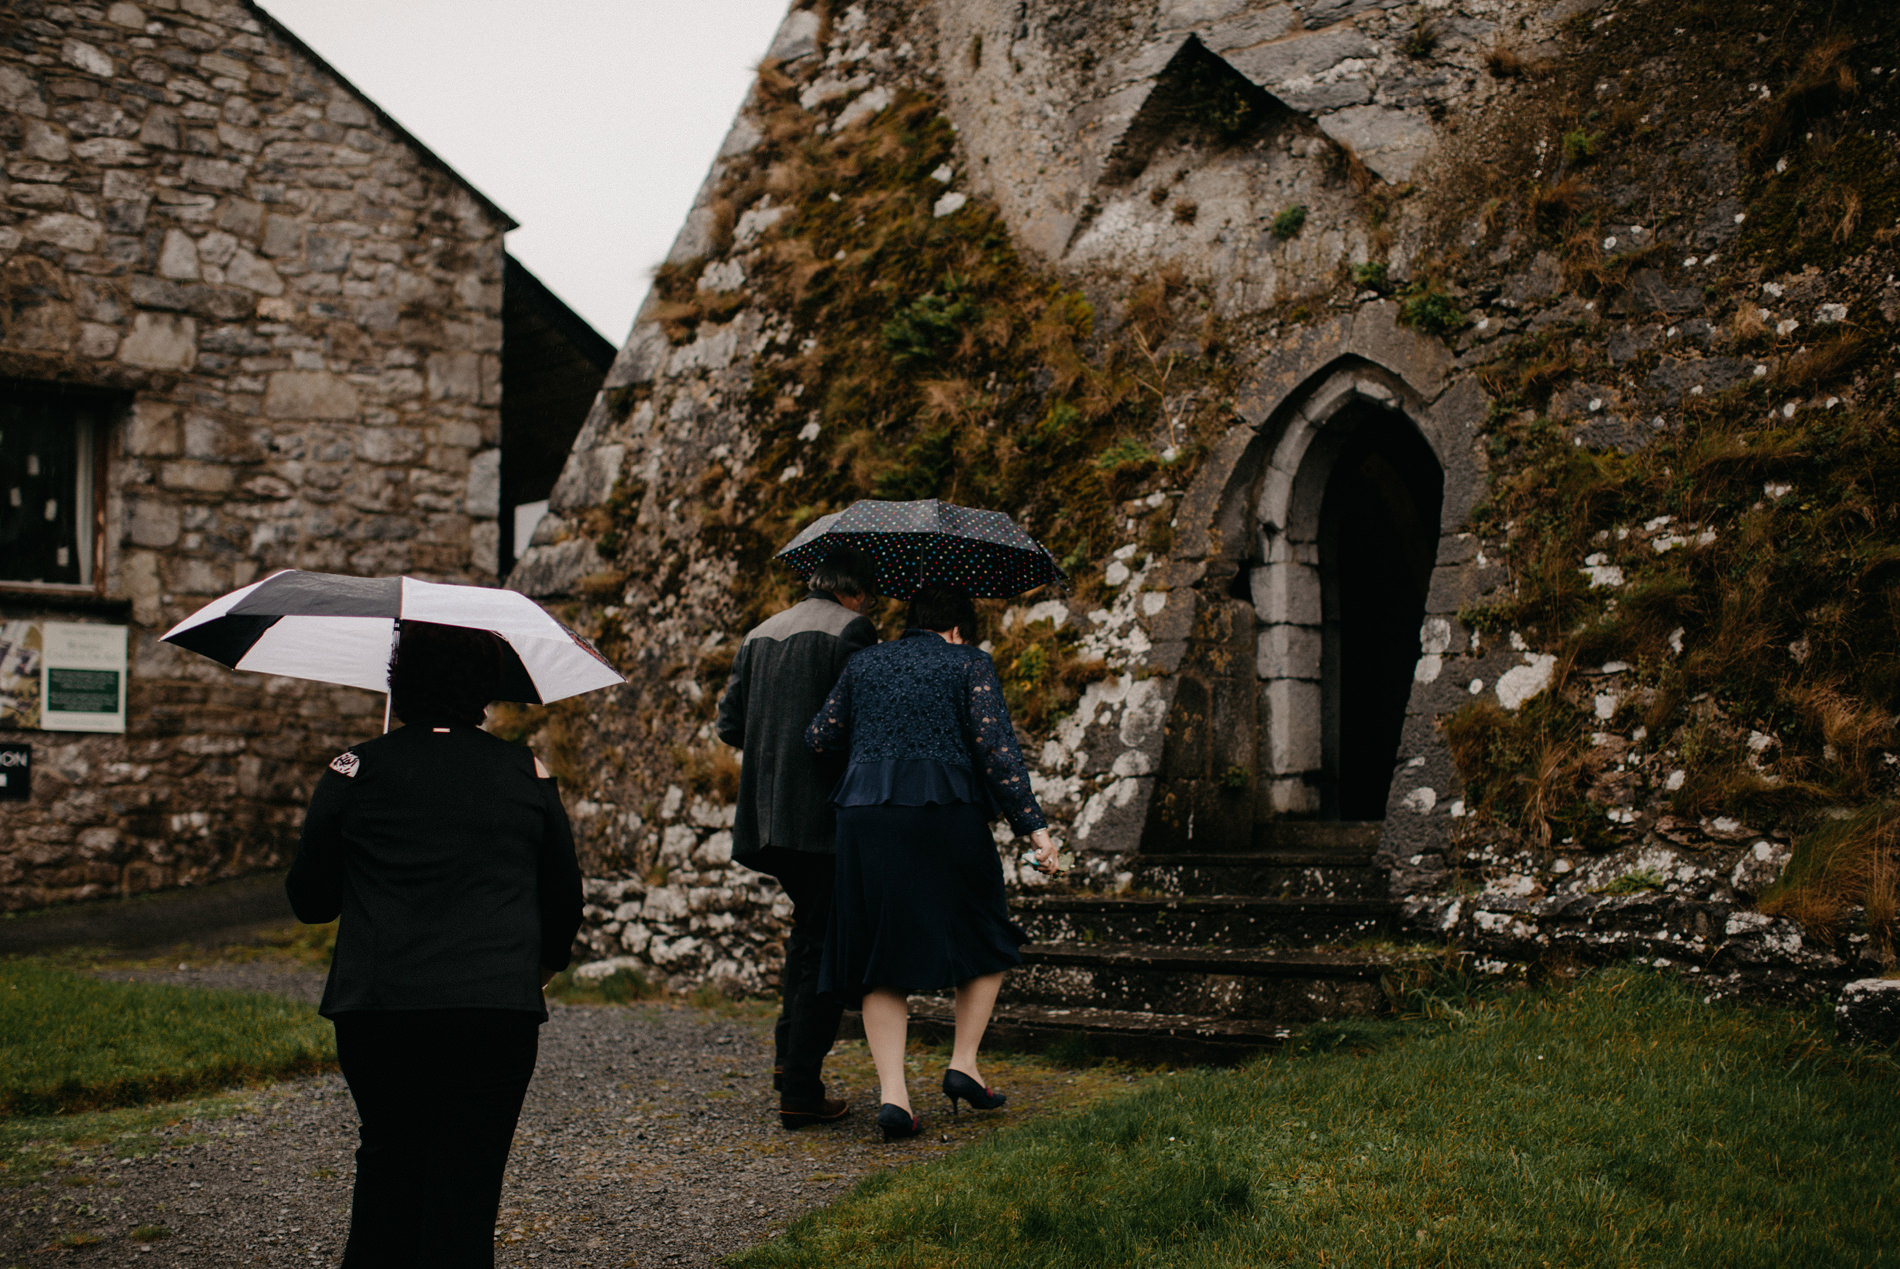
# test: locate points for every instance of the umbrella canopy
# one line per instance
(339, 629)
(983, 552)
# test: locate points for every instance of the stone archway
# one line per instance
(1355, 411)
(1348, 525)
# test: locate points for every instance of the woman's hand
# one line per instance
(1045, 847)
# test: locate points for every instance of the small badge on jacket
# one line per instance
(345, 764)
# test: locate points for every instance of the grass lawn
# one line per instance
(70, 1042)
(1616, 1121)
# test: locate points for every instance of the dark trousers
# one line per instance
(438, 1092)
(807, 1022)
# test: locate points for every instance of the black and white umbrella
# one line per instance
(339, 629)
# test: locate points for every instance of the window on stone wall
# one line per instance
(51, 449)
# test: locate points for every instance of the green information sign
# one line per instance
(81, 691)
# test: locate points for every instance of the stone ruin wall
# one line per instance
(1193, 640)
(301, 312)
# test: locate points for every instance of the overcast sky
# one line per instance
(592, 122)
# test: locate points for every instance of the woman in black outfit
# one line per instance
(448, 857)
(920, 902)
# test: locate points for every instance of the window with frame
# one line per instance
(51, 511)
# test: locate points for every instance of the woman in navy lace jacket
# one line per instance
(920, 903)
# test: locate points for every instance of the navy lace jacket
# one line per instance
(924, 721)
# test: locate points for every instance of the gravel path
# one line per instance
(648, 1138)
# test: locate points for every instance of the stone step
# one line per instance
(1194, 921)
(1081, 1032)
(1277, 986)
(1279, 874)
(1348, 836)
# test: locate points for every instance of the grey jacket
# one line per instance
(784, 671)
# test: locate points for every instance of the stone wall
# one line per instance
(1466, 258)
(298, 309)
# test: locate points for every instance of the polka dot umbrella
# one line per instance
(983, 552)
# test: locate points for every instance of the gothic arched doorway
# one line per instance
(1348, 512)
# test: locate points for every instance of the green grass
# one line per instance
(71, 1042)
(1619, 1122)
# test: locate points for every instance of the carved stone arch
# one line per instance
(1299, 585)
(1232, 756)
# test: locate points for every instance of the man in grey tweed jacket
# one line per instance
(784, 671)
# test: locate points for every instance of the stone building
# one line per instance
(247, 322)
(1375, 340)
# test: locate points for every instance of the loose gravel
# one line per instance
(648, 1138)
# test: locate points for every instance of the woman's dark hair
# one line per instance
(443, 674)
(846, 571)
(940, 606)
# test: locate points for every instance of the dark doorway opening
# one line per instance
(1378, 541)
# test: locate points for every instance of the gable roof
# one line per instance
(383, 117)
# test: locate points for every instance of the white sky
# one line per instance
(592, 122)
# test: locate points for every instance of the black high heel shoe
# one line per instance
(957, 1085)
(897, 1123)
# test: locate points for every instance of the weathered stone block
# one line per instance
(1868, 1012)
(454, 376)
(484, 484)
(1288, 652)
(389, 444)
(253, 274)
(197, 477)
(178, 257)
(588, 479)
(283, 236)
(1292, 714)
(310, 394)
(1291, 795)
(161, 341)
(1184, 752)
(149, 522)
(219, 174)
(1287, 594)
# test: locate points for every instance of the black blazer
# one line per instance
(784, 671)
(452, 866)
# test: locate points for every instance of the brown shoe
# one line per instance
(795, 1113)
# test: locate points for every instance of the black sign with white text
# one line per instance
(16, 771)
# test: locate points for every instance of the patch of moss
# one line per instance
(1758, 616)
(933, 360)
(1428, 308)
(1042, 670)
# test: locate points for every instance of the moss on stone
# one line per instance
(918, 355)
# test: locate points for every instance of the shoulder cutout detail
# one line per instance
(540, 769)
(345, 764)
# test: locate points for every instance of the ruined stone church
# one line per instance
(1418, 394)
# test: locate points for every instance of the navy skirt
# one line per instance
(920, 904)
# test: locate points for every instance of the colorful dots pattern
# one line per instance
(914, 543)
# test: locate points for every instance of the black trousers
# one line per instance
(438, 1092)
(807, 1022)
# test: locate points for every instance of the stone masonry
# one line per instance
(1376, 120)
(297, 311)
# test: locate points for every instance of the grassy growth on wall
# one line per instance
(929, 359)
(1741, 555)
(1596, 1125)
